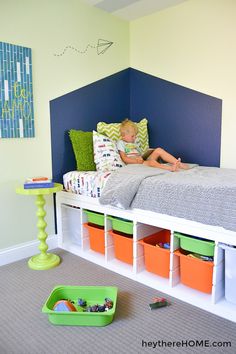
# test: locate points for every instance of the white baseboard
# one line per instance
(24, 250)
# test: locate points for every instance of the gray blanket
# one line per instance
(202, 194)
(123, 184)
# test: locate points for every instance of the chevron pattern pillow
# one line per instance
(112, 131)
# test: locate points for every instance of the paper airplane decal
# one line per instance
(102, 46)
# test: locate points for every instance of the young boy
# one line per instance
(130, 151)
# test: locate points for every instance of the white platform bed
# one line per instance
(73, 237)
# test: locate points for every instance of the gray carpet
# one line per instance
(25, 330)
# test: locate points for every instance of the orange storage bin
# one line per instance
(96, 238)
(195, 273)
(157, 259)
(123, 245)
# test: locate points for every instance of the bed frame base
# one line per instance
(73, 237)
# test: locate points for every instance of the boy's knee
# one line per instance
(159, 150)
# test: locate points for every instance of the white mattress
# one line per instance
(88, 183)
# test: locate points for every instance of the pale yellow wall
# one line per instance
(47, 27)
(193, 44)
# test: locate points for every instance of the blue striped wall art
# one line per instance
(16, 92)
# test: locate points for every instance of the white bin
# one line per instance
(71, 224)
(230, 272)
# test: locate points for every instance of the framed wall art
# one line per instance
(16, 92)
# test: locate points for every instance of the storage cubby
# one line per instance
(229, 272)
(123, 246)
(195, 244)
(188, 266)
(194, 272)
(121, 225)
(71, 224)
(96, 237)
(95, 217)
(157, 253)
(152, 249)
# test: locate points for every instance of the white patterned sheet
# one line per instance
(88, 183)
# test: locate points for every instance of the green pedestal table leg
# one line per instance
(44, 260)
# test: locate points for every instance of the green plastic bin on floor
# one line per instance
(92, 294)
(196, 245)
(121, 225)
(95, 217)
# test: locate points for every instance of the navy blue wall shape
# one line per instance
(185, 122)
(104, 100)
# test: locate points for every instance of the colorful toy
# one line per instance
(64, 305)
(101, 308)
(108, 303)
(67, 305)
(93, 308)
(96, 308)
(163, 245)
(158, 302)
(82, 302)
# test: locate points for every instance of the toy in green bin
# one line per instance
(68, 306)
(64, 305)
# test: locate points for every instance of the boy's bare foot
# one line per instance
(175, 166)
(182, 165)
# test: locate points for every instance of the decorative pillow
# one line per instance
(112, 130)
(82, 143)
(106, 155)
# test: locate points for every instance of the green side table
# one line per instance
(43, 260)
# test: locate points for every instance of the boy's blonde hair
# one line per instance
(127, 125)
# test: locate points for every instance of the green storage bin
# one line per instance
(95, 218)
(92, 294)
(122, 225)
(196, 244)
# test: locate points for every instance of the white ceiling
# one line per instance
(132, 9)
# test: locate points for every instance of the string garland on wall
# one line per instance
(101, 46)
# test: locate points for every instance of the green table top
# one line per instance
(39, 191)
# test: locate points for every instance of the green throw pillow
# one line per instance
(82, 143)
(112, 130)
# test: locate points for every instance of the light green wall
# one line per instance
(193, 44)
(47, 27)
